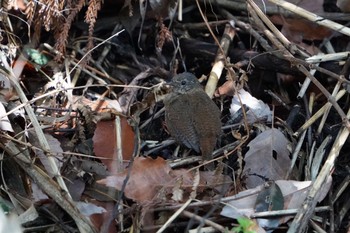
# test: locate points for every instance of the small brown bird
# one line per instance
(192, 118)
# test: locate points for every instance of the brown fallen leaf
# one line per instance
(296, 29)
(344, 6)
(226, 89)
(105, 143)
(153, 179)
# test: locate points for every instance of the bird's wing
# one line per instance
(206, 120)
(178, 118)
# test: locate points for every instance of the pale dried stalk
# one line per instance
(312, 17)
(174, 216)
(300, 64)
(305, 212)
(40, 134)
(48, 186)
(318, 114)
(220, 60)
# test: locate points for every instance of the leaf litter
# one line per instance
(83, 139)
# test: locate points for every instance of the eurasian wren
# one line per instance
(192, 118)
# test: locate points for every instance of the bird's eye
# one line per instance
(183, 82)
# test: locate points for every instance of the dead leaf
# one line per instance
(56, 152)
(226, 89)
(257, 109)
(37, 193)
(267, 158)
(344, 5)
(5, 124)
(270, 198)
(88, 209)
(101, 219)
(105, 143)
(147, 177)
(294, 193)
(297, 30)
(75, 186)
(152, 179)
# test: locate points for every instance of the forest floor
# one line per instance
(84, 140)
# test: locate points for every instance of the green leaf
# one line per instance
(37, 57)
(244, 226)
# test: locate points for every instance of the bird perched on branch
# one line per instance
(192, 118)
